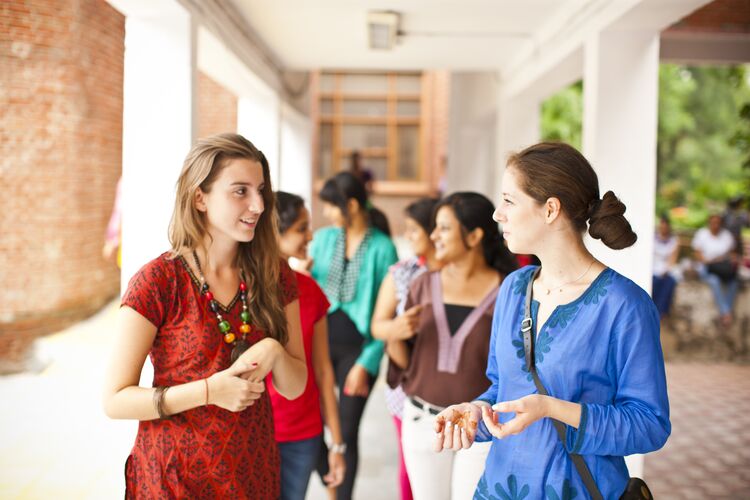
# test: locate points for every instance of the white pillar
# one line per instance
(295, 164)
(621, 83)
(258, 119)
(158, 124)
(519, 126)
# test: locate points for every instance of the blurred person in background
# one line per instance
(350, 258)
(392, 322)
(444, 354)
(299, 428)
(715, 251)
(666, 251)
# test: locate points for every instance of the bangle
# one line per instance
(205, 380)
(158, 401)
(339, 448)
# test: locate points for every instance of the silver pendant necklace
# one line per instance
(560, 286)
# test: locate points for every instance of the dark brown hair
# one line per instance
(557, 170)
(474, 210)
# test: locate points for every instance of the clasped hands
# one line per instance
(456, 426)
(240, 385)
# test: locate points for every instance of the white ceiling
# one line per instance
(455, 34)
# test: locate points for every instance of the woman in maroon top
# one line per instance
(299, 427)
(222, 292)
(445, 358)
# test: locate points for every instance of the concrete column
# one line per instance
(295, 164)
(472, 132)
(158, 123)
(518, 127)
(621, 82)
(621, 78)
(258, 119)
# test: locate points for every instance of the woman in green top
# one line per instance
(350, 259)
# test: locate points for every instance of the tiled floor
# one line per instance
(708, 454)
(55, 441)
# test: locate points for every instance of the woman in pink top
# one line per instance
(299, 431)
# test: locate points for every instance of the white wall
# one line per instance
(158, 123)
(472, 132)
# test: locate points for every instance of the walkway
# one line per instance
(55, 441)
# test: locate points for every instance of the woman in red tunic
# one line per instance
(222, 292)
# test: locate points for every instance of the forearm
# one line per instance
(289, 374)
(329, 404)
(383, 329)
(137, 403)
(398, 351)
(563, 411)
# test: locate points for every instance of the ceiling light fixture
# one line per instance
(382, 29)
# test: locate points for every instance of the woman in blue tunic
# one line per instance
(597, 344)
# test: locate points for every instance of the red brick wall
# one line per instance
(719, 16)
(217, 108)
(61, 71)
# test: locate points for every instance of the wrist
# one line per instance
(548, 407)
(338, 448)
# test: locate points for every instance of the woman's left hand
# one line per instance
(336, 469)
(357, 382)
(264, 353)
(528, 410)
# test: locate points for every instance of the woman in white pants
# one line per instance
(445, 357)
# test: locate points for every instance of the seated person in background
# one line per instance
(666, 249)
(714, 249)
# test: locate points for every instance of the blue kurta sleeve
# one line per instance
(637, 420)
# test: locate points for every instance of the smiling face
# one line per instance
(417, 237)
(449, 242)
(234, 203)
(521, 217)
(293, 242)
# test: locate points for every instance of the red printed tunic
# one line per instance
(206, 452)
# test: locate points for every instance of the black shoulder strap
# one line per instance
(527, 330)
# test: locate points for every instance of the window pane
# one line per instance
(365, 108)
(408, 108)
(378, 167)
(364, 84)
(408, 84)
(325, 149)
(363, 136)
(327, 83)
(326, 107)
(408, 152)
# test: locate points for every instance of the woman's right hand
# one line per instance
(456, 426)
(229, 390)
(405, 325)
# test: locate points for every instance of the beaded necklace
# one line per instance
(240, 344)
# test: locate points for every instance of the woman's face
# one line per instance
(417, 237)
(235, 203)
(334, 214)
(293, 242)
(522, 218)
(449, 244)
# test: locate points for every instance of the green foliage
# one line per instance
(562, 116)
(703, 149)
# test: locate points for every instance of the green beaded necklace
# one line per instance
(240, 344)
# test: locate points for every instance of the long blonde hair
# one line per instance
(259, 259)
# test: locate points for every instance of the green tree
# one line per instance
(703, 141)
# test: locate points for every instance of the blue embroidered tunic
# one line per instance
(601, 351)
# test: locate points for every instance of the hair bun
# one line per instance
(607, 222)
